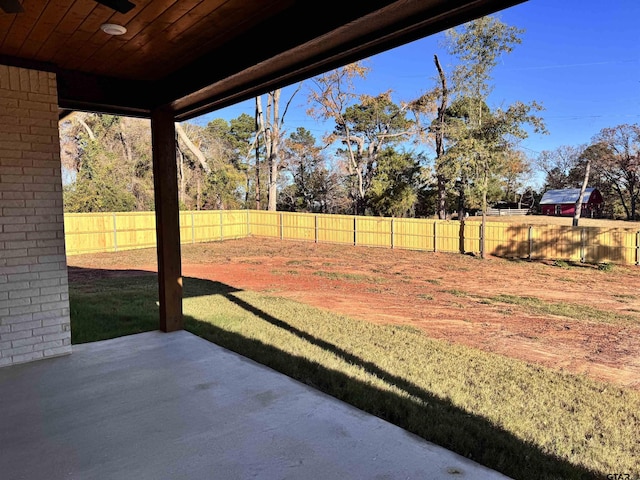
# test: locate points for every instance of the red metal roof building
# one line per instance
(563, 202)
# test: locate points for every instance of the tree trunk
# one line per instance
(442, 197)
(181, 173)
(483, 233)
(192, 146)
(578, 208)
(259, 129)
(80, 118)
(439, 139)
(633, 200)
(247, 189)
(199, 193)
(461, 200)
(125, 141)
(274, 160)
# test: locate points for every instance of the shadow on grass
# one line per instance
(419, 411)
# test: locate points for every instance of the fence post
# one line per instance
(315, 227)
(481, 241)
(435, 236)
(221, 231)
(281, 227)
(115, 234)
(530, 242)
(355, 233)
(638, 247)
(392, 233)
(582, 245)
(193, 229)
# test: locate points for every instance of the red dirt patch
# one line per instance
(448, 296)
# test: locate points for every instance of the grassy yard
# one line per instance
(526, 421)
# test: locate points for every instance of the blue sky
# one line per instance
(579, 59)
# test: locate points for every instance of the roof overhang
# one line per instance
(274, 50)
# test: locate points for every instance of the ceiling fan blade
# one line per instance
(11, 6)
(122, 6)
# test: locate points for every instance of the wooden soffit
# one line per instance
(200, 55)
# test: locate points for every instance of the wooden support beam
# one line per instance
(165, 181)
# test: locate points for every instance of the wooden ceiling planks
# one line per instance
(65, 30)
(21, 26)
(108, 57)
(5, 25)
(142, 43)
(78, 47)
(213, 31)
(135, 59)
(46, 24)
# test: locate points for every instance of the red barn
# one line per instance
(563, 202)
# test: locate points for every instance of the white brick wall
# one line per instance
(34, 298)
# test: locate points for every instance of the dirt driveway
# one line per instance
(579, 319)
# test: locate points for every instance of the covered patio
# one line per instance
(154, 406)
(157, 405)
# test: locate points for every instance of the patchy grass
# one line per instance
(561, 264)
(569, 310)
(250, 262)
(526, 421)
(455, 292)
(349, 277)
(606, 267)
(292, 263)
(624, 295)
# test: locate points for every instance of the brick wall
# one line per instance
(34, 300)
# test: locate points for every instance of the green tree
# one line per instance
(210, 178)
(238, 136)
(395, 187)
(98, 185)
(107, 163)
(474, 142)
(368, 128)
(303, 158)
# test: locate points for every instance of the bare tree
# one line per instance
(585, 182)
(270, 128)
(619, 163)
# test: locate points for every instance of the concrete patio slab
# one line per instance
(174, 406)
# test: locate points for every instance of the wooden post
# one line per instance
(315, 226)
(435, 236)
(355, 231)
(638, 248)
(165, 182)
(392, 239)
(582, 246)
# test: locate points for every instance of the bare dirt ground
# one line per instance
(448, 296)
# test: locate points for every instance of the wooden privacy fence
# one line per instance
(112, 232)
